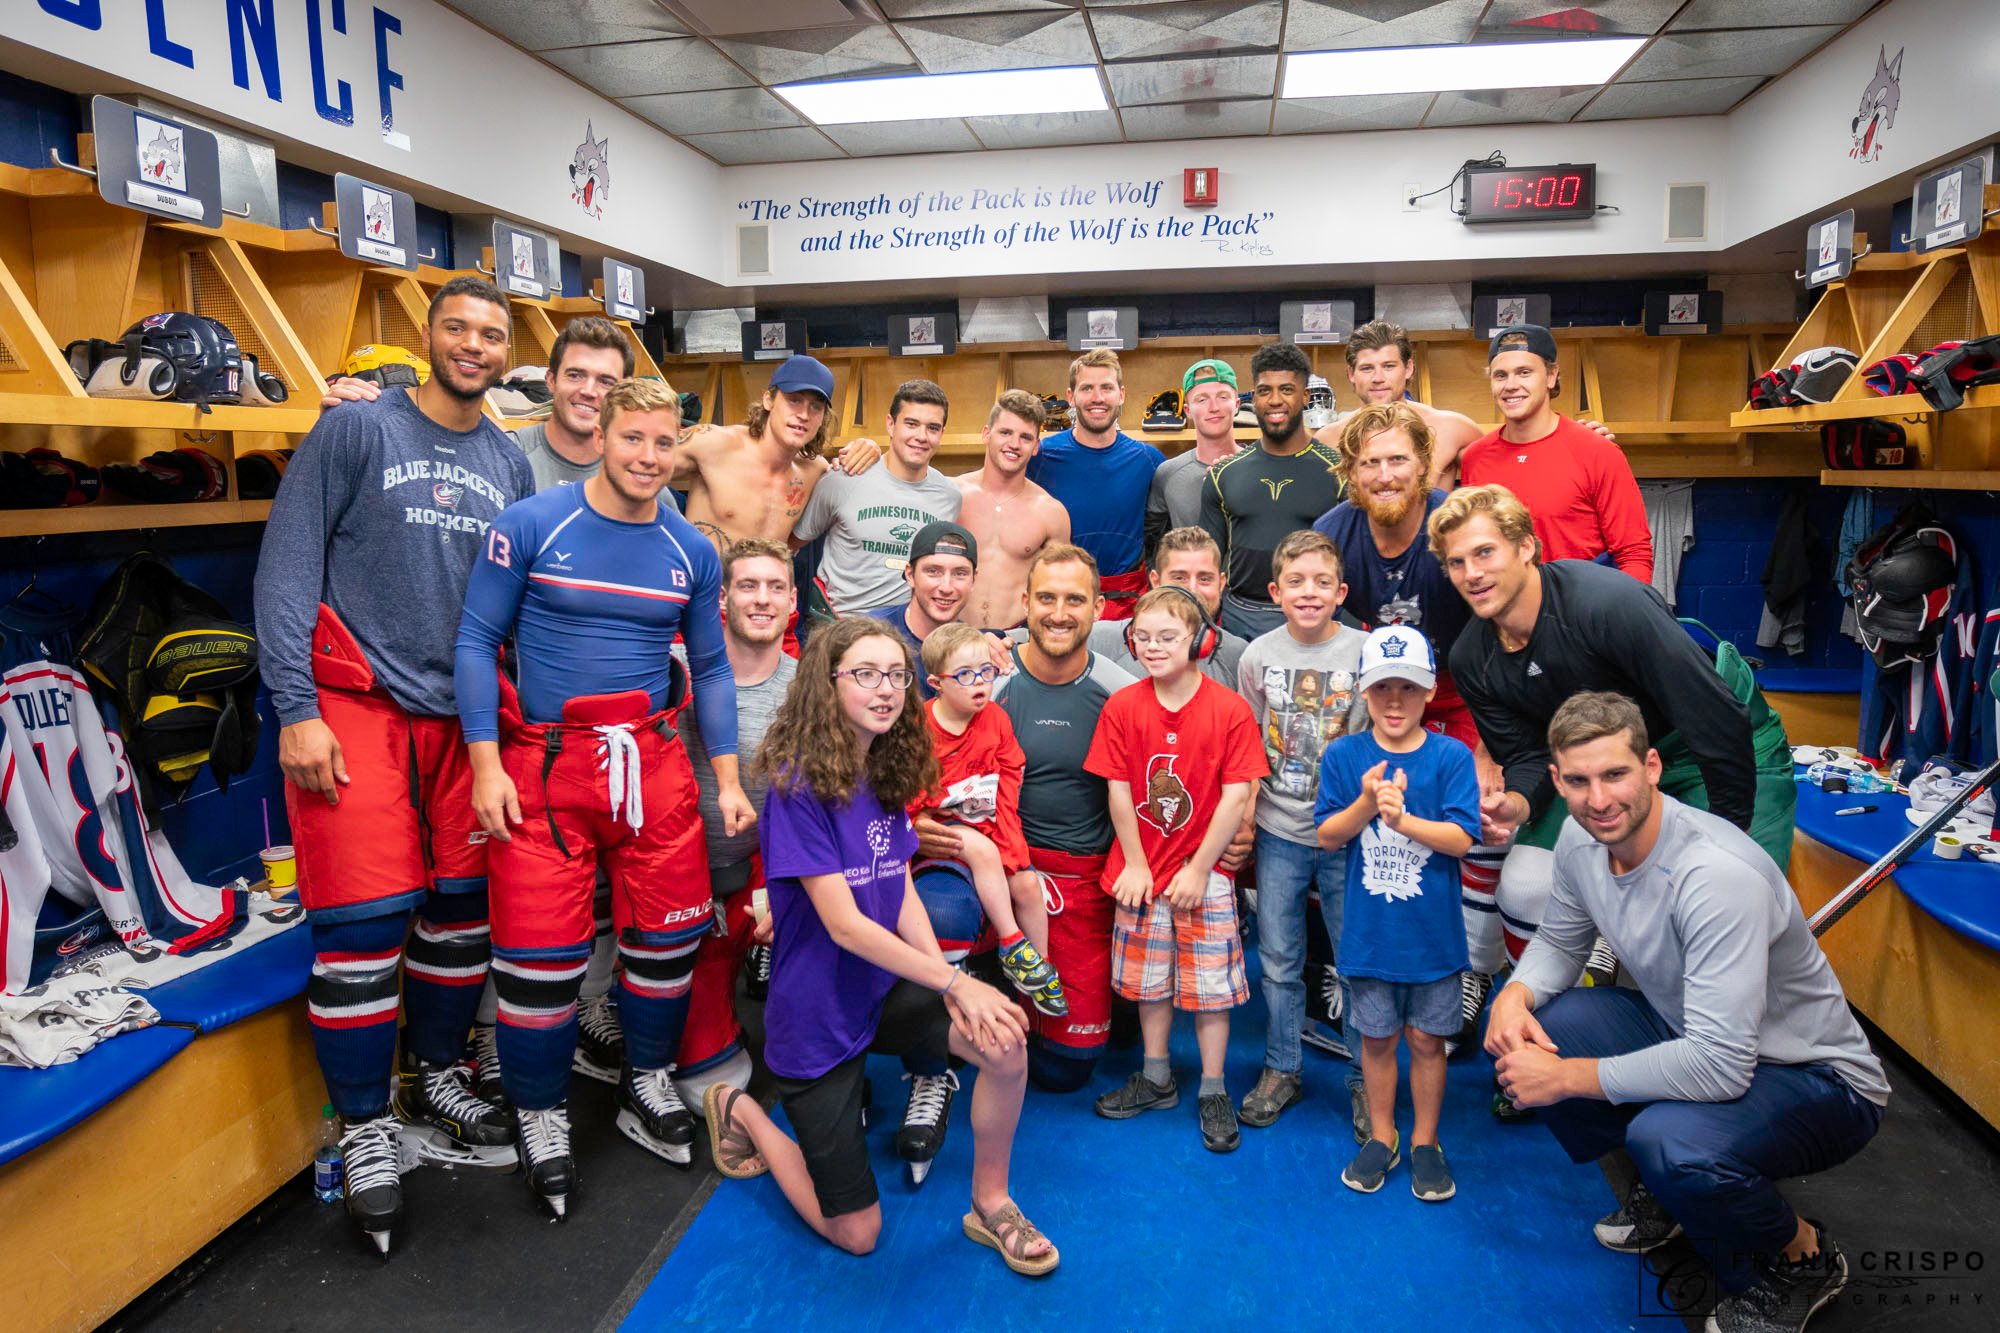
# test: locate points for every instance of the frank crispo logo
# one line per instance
(1679, 1280)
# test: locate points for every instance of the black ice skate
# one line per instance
(545, 1158)
(441, 1097)
(925, 1120)
(373, 1177)
(600, 1041)
(652, 1115)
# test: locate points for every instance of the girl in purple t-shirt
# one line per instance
(855, 966)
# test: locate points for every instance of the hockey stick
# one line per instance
(1848, 898)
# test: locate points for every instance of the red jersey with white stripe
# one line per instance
(593, 605)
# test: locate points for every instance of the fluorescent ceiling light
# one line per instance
(1439, 69)
(1000, 92)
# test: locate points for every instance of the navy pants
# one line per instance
(1713, 1165)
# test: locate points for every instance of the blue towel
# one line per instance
(1855, 524)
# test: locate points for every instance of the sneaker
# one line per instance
(1506, 1112)
(441, 1097)
(1029, 973)
(1218, 1122)
(1139, 1094)
(1164, 412)
(1358, 1114)
(1430, 1177)
(1371, 1166)
(1055, 414)
(483, 1050)
(1601, 968)
(1322, 1038)
(1274, 1094)
(925, 1119)
(1640, 1224)
(600, 1041)
(1474, 987)
(652, 1115)
(757, 972)
(1788, 1294)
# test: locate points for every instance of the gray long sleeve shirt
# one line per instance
(1714, 938)
(380, 516)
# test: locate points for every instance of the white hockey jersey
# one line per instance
(66, 788)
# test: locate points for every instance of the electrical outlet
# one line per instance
(1410, 193)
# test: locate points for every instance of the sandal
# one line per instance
(734, 1153)
(1005, 1230)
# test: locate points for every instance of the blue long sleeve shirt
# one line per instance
(593, 605)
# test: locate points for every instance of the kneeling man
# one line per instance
(1735, 1062)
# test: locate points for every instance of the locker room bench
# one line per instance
(1920, 957)
(116, 1167)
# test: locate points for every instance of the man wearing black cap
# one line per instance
(943, 559)
(1576, 484)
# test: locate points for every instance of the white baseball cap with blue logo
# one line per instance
(1397, 652)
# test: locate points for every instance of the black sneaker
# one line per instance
(1164, 412)
(1218, 1122)
(1640, 1224)
(1474, 987)
(1506, 1112)
(1274, 1094)
(1371, 1166)
(1788, 1294)
(1139, 1094)
(1430, 1177)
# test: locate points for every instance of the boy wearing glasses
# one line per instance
(1178, 753)
(979, 794)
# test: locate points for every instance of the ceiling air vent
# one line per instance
(740, 18)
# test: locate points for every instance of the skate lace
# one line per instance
(760, 961)
(370, 1154)
(1474, 997)
(1329, 990)
(618, 750)
(545, 1134)
(929, 1094)
(1601, 958)
(656, 1089)
(449, 1092)
(597, 1021)
(485, 1049)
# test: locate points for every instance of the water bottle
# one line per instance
(328, 1165)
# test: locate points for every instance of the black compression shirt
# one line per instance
(1253, 500)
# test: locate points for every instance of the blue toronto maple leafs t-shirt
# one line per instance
(1403, 920)
(825, 1002)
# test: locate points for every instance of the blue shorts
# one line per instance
(1384, 1008)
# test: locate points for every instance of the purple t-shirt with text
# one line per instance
(825, 1001)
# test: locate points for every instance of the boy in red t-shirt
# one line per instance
(1192, 748)
(980, 765)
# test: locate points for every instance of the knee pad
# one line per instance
(1056, 1069)
(539, 987)
(1526, 880)
(657, 964)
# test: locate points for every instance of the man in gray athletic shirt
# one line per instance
(1735, 1062)
(1209, 400)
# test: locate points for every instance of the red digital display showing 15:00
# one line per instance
(1529, 194)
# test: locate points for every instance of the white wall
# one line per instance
(476, 123)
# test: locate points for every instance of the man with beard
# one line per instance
(1010, 516)
(1208, 398)
(359, 587)
(1101, 476)
(1260, 496)
(1733, 1062)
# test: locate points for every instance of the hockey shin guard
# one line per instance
(446, 971)
(351, 1005)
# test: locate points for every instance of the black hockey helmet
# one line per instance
(182, 357)
(1903, 579)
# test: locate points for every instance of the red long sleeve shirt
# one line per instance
(1579, 489)
(987, 748)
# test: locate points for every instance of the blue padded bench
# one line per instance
(1963, 895)
(1810, 680)
(233, 988)
(38, 1104)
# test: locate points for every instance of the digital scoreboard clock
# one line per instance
(1563, 193)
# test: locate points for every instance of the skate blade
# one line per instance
(918, 1170)
(680, 1155)
(559, 1206)
(591, 1069)
(381, 1239)
(427, 1143)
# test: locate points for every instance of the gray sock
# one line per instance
(1212, 1086)
(1157, 1071)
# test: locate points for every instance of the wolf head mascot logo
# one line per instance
(381, 220)
(160, 160)
(590, 173)
(1168, 806)
(1879, 101)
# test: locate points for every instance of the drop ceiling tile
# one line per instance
(1186, 29)
(1596, 18)
(1385, 111)
(1038, 40)
(741, 146)
(1769, 13)
(1339, 25)
(904, 136)
(1508, 106)
(1045, 130)
(1198, 120)
(1713, 55)
(635, 69)
(925, 9)
(1672, 97)
(716, 110)
(821, 53)
(539, 27)
(1152, 81)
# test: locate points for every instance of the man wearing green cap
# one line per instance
(1208, 397)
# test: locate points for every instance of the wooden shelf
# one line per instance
(37, 409)
(1813, 414)
(115, 516)
(1915, 479)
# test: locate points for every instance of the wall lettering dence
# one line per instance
(1124, 215)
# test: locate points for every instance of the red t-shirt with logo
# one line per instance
(1177, 765)
(1579, 489)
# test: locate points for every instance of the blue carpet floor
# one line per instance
(1158, 1233)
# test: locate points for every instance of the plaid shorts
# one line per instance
(1194, 958)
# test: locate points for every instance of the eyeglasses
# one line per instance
(869, 678)
(979, 675)
(1171, 639)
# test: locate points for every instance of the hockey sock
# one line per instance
(537, 1029)
(1479, 877)
(445, 974)
(351, 1004)
(653, 992)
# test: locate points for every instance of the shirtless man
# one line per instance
(1011, 516)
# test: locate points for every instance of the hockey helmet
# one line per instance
(172, 355)
(524, 392)
(1819, 375)
(1319, 403)
(387, 365)
(175, 476)
(1903, 578)
(259, 472)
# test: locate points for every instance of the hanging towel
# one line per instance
(1670, 515)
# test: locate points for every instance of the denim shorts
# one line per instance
(1384, 1008)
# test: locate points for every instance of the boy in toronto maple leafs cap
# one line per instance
(1408, 801)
